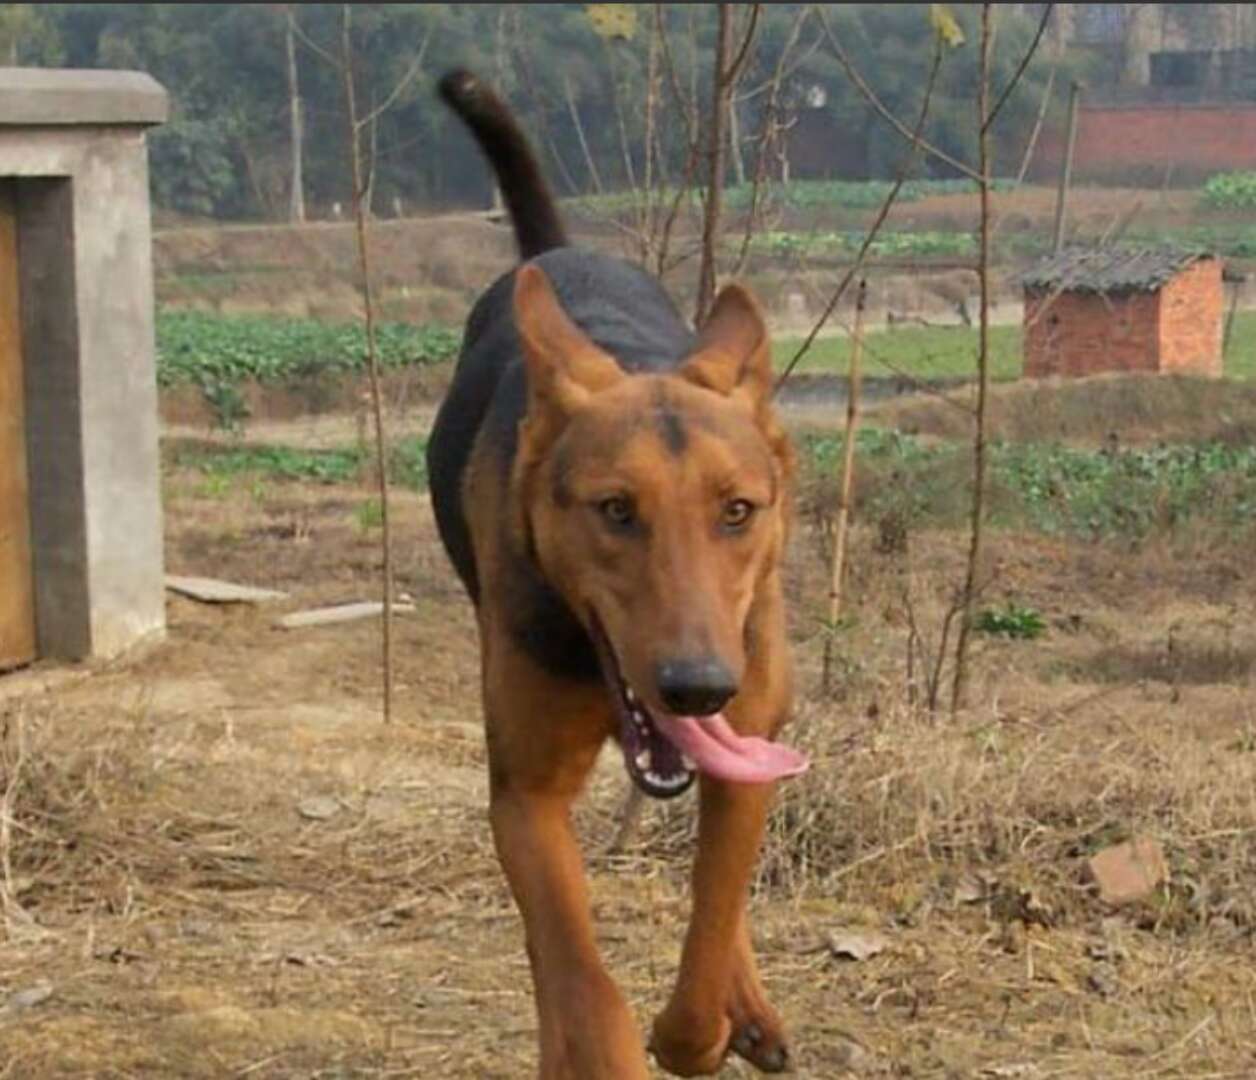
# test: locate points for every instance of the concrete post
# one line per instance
(72, 144)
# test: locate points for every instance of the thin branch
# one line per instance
(314, 46)
(882, 214)
(1020, 70)
(733, 72)
(969, 596)
(372, 355)
(870, 96)
(766, 134)
(1032, 144)
(406, 79)
(767, 84)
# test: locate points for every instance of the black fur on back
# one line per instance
(619, 306)
(532, 210)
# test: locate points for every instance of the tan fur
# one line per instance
(679, 584)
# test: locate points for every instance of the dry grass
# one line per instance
(1136, 408)
(219, 863)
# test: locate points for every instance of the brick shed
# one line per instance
(1092, 310)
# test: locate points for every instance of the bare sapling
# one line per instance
(845, 486)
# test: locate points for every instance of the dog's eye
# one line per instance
(617, 510)
(737, 514)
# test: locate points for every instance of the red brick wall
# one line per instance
(1082, 334)
(1123, 141)
(1176, 330)
(1191, 320)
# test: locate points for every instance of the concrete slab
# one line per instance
(212, 591)
(338, 614)
(39, 97)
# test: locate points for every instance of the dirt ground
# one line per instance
(219, 862)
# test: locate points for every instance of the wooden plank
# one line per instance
(17, 598)
(367, 609)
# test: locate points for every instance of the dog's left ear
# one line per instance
(734, 355)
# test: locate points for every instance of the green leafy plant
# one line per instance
(224, 397)
(218, 351)
(1014, 621)
(369, 515)
(342, 465)
(1230, 191)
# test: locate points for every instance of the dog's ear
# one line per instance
(734, 355)
(564, 367)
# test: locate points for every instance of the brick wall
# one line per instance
(1175, 330)
(1191, 320)
(1081, 333)
(1133, 140)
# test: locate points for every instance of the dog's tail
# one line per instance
(527, 196)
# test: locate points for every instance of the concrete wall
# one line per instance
(74, 142)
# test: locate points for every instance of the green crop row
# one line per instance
(886, 245)
(1051, 488)
(342, 465)
(204, 349)
(796, 195)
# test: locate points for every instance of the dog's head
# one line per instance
(656, 504)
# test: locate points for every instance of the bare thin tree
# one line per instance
(360, 179)
(972, 582)
(845, 485)
(726, 70)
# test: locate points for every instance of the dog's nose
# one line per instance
(695, 687)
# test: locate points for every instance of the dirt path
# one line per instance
(223, 864)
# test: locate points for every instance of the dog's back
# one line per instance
(622, 309)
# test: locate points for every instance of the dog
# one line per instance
(614, 491)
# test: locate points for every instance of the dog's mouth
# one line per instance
(664, 753)
(653, 762)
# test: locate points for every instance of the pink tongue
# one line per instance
(720, 752)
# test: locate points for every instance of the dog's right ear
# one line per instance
(565, 368)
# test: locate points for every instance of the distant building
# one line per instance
(1094, 310)
(1170, 93)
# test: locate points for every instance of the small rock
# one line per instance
(22, 1000)
(852, 1056)
(319, 808)
(1103, 980)
(1129, 872)
(857, 944)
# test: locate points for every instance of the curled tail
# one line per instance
(527, 196)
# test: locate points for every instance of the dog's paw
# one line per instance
(765, 1050)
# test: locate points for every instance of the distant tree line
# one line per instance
(578, 74)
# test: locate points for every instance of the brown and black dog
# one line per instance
(614, 492)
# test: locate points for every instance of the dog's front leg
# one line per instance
(587, 1031)
(543, 738)
(717, 1003)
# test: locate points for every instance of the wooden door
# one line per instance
(17, 602)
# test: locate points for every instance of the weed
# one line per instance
(369, 515)
(1014, 621)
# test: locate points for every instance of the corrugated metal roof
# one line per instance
(1104, 270)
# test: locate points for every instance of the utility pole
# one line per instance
(1066, 169)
